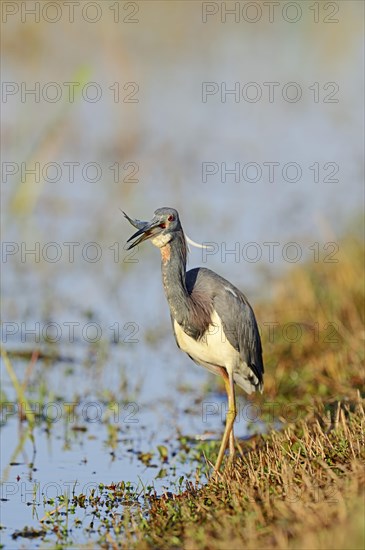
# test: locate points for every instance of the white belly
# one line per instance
(214, 348)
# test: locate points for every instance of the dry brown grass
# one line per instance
(293, 490)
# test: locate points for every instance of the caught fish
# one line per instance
(139, 224)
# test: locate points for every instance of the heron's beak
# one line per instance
(149, 229)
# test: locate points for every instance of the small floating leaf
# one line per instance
(145, 458)
(161, 473)
(164, 454)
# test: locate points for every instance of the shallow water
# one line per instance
(77, 449)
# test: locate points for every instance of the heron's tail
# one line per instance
(250, 383)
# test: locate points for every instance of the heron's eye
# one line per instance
(171, 218)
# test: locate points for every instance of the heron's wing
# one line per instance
(240, 327)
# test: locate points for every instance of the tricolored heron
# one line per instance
(211, 319)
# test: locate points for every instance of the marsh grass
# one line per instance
(293, 484)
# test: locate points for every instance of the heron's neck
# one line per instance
(173, 266)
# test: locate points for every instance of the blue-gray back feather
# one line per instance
(238, 319)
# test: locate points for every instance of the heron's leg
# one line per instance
(231, 415)
(231, 435)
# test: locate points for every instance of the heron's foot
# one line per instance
(230, 458)
(230, 461)
(231, 445)
(238, 446)
(234, 446)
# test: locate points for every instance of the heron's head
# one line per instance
(161, 229)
